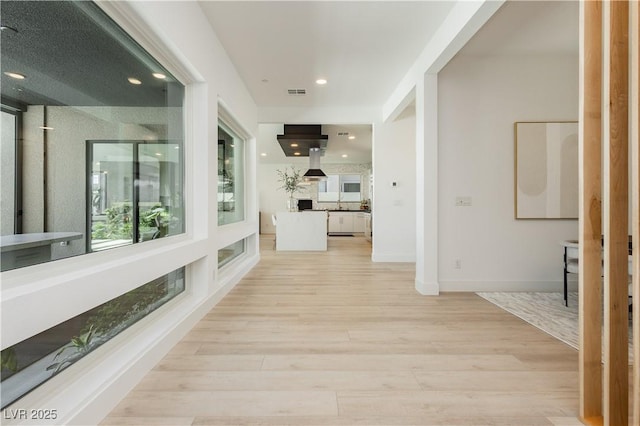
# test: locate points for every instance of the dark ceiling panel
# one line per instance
(299, 138)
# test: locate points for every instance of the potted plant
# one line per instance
(290, 181)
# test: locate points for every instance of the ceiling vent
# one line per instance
(343, 133)
(297, 92)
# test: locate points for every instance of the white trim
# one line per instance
(427, 288)
(231, 120)
(511, 286)
(162, 49)
(393, 257)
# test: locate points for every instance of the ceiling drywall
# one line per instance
(362, 48)
(528, 28)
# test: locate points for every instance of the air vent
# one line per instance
(297, 92)
(343, 133)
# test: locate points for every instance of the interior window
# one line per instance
(230, 176)
(65, 202)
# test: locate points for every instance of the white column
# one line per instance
(427, 185)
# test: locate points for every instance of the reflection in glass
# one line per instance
(61, 106)
(35, 360)
(8, 173)
(230, 176)
(230, 252)
(136, 192)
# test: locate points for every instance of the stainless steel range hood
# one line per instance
(305, 140)
(314, 172)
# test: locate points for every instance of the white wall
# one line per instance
(480, 98)
(394, 208)
(35, 298)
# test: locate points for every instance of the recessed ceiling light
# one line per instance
(321, 81)
(344, 155)
(294, 145)
(158, 154)
(15, 75)
(352, 137)
(134, 81)
(264, 154)
(159, 75)
(46, 128)
(296, 153)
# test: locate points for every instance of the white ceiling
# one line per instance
(529, 28)
(363, 49)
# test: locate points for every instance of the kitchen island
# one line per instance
(301, 231)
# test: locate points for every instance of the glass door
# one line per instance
(134, 192)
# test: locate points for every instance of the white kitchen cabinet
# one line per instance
(334, 223)
(341, 222)
(358, 223)
(347, 222)
(367, 226)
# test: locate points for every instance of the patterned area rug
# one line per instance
(547, 312)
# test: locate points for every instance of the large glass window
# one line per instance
(230, 176)
(340, 188)
(68, 94)
(35, 360)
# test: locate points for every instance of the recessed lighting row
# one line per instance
(137, 81)
(264, 154)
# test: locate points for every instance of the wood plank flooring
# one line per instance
(334, 339)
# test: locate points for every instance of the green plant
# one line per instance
(114, 313)
(117, 225)
(9, 359)
(290, 180)
(82, 345)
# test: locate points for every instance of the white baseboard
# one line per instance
(473, 286)
(393, 257)
(427, 289)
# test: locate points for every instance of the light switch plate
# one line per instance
(463, 201)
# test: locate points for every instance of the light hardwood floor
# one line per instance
(332, 338)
